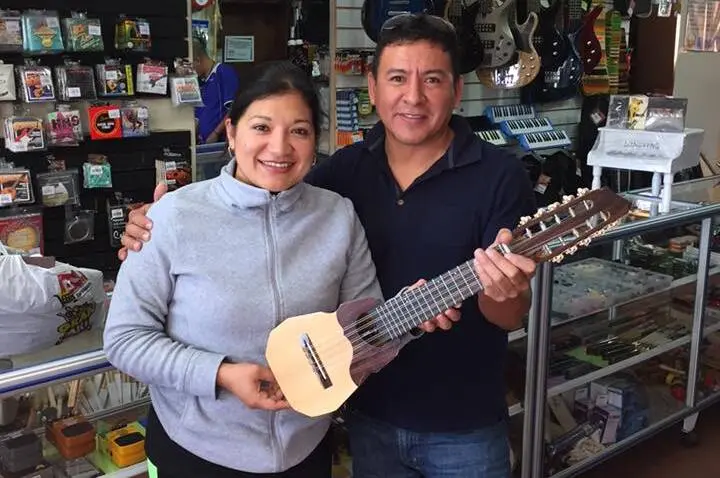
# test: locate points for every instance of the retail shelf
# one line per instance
(617, 448)
(683, 281)
(634, 360)
(129, 472)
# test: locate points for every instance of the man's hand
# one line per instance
(253, 384)
(443, 321)
(506, 283)
(138, 227)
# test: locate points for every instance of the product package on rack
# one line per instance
(184, 85)
(21, 230)
(7, 83)
(23, 134)
(41, 31)
(152, 78)
(64, 127)
(114, 79)
(15, 185)
(135, 120)
(83, 33)
(35, 83)
(11, 36)
(42, 307)
(75, 82)
(173, 168)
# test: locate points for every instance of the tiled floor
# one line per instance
(664, 457)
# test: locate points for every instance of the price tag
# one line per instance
(48, 190)
(170, 166)
(96, 170)
(117, 213)
(111, 75)
(114, 113)
(142, 113)
(94, 30)
(143, 28)
(73, 92)
(6, 199)
(12, 26)
(52, 22)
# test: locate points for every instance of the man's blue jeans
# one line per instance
(380, 450)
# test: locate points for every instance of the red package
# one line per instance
(23, 232)
(105, 122)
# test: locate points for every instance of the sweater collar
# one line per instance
(245, 196)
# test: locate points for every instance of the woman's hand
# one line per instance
(253, 384)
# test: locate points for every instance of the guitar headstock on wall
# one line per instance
(559, 229)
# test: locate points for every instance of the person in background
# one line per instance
(430, 195)
(219, 84)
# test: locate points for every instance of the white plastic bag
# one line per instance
(41, 307)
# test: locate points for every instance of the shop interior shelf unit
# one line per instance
(661, 153)
(549, 311)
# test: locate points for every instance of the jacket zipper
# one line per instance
(274, 445)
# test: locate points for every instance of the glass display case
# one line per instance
(626, 334)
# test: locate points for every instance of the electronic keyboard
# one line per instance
(524, 126)
(493, 136)
(497, 114)
(547, 139)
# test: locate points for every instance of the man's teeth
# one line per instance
(277, 165)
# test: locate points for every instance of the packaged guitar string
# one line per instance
(135, 120)
(11, 35)
(24, 134)
(41, 31)
(114, 79)
(132, 34)
(174, 168)
(184, 85)
(7, 83)
(15, 185)
(152, 77)
(83, 33)
(58, 188)
(105, 122)
(64, 127)
(75, 82)
(97, 172)
(35, 83)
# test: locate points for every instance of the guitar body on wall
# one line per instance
(492, 26)
(376, 12)
(523, 71)
(462, 14)
(320, 359)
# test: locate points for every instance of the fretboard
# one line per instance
(407, 310)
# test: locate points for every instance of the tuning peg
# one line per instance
(539, 212)
(582, 191)
(567, 199)
(558, 259)
(524, 220)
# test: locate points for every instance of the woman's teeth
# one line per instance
(276, 165)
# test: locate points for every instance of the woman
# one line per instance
(230, 258)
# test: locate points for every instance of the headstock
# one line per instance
(560, 229)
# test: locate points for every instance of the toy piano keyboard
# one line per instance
(661, 153)
(493, 136)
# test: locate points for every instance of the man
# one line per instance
(218, 86)
(430, 195)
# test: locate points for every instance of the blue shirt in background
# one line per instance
(218, 92)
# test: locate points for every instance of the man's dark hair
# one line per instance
(199, 48)
(277, 78)
(416, 27)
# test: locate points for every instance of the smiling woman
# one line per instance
(230, 258)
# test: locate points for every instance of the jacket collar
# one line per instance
(245, 196)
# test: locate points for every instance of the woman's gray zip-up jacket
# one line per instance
(226, 263)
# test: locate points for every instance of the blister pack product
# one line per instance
(75, 82)
(7, 83)
(152, 78)
(135, 120)
(24, 134)
(83, 33)
(132, 33)
(115, 79)
(59, 188)
(105, 122)
(41, 31)
(36, 83)
(64, 127)
(11, 35)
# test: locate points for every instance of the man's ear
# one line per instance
(371, 87)
(459, 85)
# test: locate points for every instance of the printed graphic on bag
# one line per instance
(74, 286)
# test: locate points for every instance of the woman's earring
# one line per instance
(230, 151)
(314, 160)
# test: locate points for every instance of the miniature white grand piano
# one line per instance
(661, 153)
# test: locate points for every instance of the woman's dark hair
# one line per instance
(276, 78)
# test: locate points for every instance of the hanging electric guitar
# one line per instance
(320, 359)
(587, 42)
(376, 12)
(462, 14)
(523, 71)
(492, 26)
(550, 43)
(597, 81)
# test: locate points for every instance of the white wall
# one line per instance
(349, 34)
